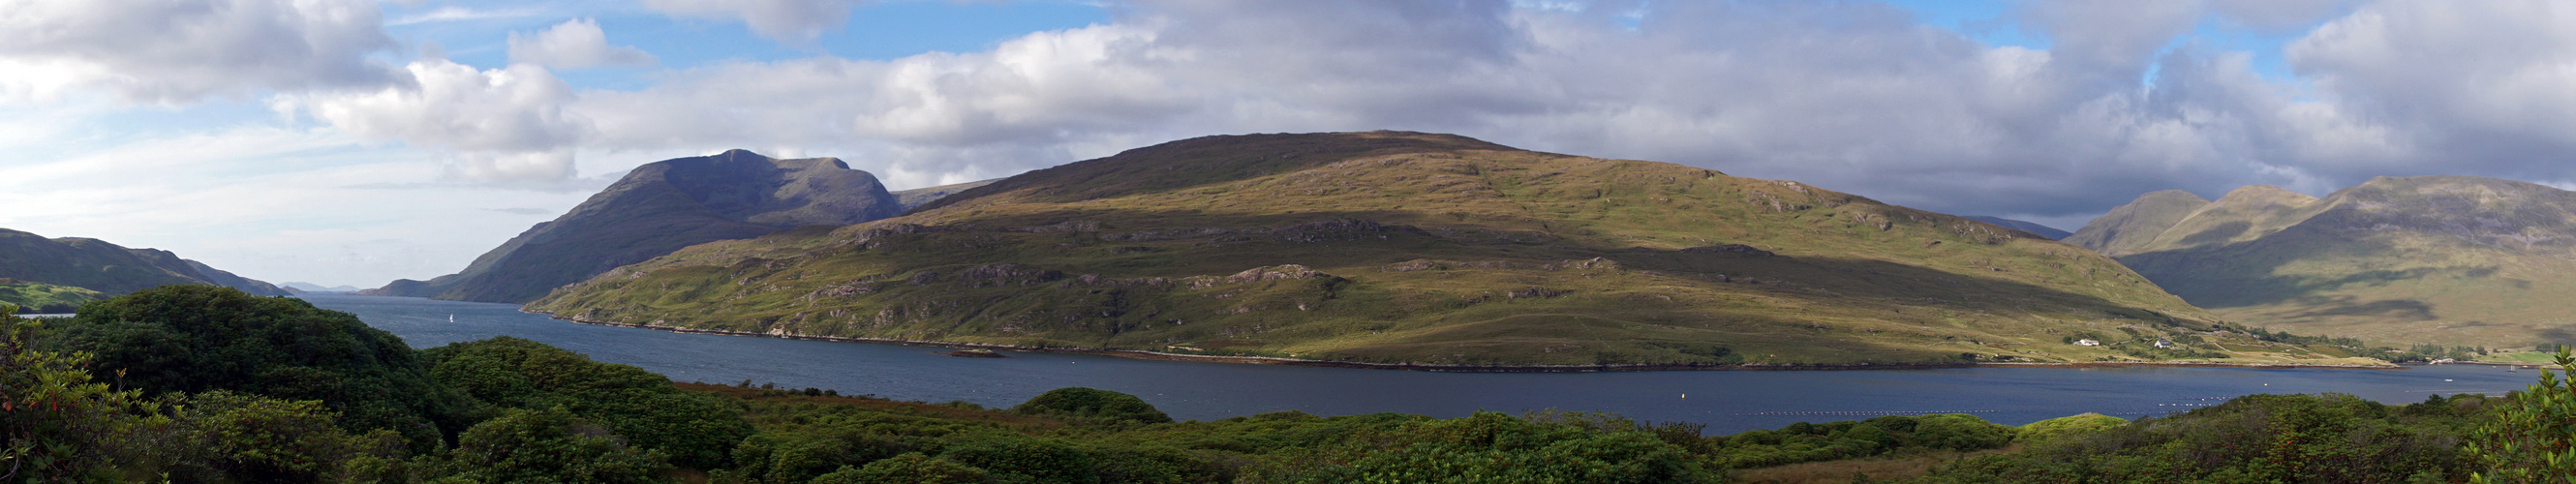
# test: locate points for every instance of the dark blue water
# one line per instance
(1728, 401)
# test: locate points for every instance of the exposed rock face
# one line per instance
(661, 207)
(107, 268)
(2433, 259)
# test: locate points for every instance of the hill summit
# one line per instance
(2454, 260)
(1401, 247)
(658, 208)
(58, 274)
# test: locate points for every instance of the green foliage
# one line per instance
(1493, 447)
(697, 430)
(2532, 438)
(56, 424)
(2328, 438)
(548, 445)
(1879, 436)
(1092, 403)
(191, 338)
(2055, 428)
(911, 468)
(226, 436)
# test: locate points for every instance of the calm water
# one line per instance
(1729, 401)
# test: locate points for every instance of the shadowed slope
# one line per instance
(1410, 247)
(658, 208)
(2130, 227)
(108, 268)
(2434, 259)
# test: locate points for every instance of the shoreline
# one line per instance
(1458, 368)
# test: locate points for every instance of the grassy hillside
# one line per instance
(2022, 225)
(917, 197)
(1409, 247)
(2129, 227)
(40, 298)
(2445, 260)
(107, 268)
(658, 208)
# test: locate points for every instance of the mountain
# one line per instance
(2453, 260)
(311, 287)
(1421, 248)
(658, 208)
(2052, 233)
(2137, 224)
(922, 196)
(41, 271)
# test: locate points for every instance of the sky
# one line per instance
(356, 141)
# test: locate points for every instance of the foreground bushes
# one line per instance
(272, 390)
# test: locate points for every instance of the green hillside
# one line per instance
(40, 298)
(1409, 247)
(2450, 260)
(923, 196)
(106, 268)
(658, 208)
(2129, 227)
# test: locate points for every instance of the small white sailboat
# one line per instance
(451, 318)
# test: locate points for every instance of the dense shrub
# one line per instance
(696, 429)
(192, 338)
(1086, 402)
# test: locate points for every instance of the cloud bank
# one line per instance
(1858, 97)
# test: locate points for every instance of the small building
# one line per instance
(2164, 343)
(2087, 342)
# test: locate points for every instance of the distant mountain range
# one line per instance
(658, 208)
(311, 287)
(2033, 227)
(2434, 259)
(1402, 247)
(53, 274)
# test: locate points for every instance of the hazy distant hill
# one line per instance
(105, 268)
(2433, 259)
(661, 207)
(2033, 227)
(311, 287)
(1391, 246)
(921, 196)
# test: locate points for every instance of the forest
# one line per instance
(192, 383)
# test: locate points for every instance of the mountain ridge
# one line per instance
(2452, 260)
(69, 270)
(1416, 248)
(660, 207)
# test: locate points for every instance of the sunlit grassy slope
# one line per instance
(32, 297)
(2449, 260)
(1410, 247)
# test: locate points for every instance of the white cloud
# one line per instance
(792, 21)
(504, 124)
(574, 44)
(179, 51)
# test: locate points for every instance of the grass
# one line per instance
(2424, 260)
(1405, 247)
(45, 298)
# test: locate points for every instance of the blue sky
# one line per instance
(357, 141)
